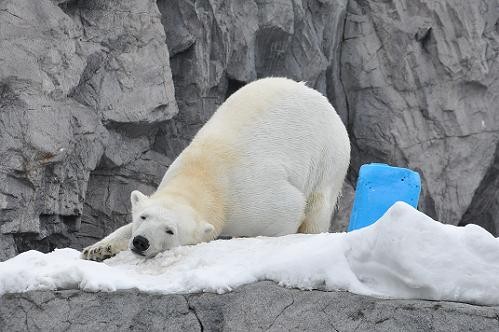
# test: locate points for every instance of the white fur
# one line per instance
(271, 161)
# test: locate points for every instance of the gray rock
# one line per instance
(421, 79)
(39, 129)
(341, 217)
(263, 306)
(127, 76)
(7, 247)
(484, 208)
(78, 311)
(217, 47)
(73, 76)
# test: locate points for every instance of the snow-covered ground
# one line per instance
(403, 255)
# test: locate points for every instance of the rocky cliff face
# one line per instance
(98, 97)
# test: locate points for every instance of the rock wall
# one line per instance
(421, 79)
(262, 306)
(97, 97)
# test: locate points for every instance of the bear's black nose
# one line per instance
(140, 243)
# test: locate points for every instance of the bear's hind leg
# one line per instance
(318, 211)
(110, 245)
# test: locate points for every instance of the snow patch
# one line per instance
(404, 255)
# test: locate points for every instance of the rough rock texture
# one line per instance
(484, 208)
(262, 306)
(97, 97)
(83, 88)
(422, 85)
(218, 46)
(341, 218)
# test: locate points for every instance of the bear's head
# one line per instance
(159, 224)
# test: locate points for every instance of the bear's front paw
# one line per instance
(99, 251)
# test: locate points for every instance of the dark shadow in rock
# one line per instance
(69, 7)
(32, 241)
(232, 86)
(484, 208)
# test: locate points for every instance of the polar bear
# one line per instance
(271, 161)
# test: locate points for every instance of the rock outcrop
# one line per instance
(421, 79)
(262, 306)
(84, 87)
(98, 97)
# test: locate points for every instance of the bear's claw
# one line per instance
(99, 252)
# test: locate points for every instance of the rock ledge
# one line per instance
(256, 307)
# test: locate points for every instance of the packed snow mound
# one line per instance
(405, 255)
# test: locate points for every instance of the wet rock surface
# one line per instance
(98, 97)
(263, 306)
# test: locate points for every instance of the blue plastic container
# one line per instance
(379, 186)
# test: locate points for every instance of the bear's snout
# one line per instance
(140, 243)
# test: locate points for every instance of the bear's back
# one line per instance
(272, 120)
(271, 140)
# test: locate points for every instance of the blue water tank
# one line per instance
(379, 186)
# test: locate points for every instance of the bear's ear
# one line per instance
(137, 197)
(207, 228)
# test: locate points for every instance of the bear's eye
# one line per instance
(169, 231)
(143, 217)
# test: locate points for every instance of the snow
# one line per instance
(404, 255)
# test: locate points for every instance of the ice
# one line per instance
(404, 255)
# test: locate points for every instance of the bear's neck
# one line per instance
(199, 189)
